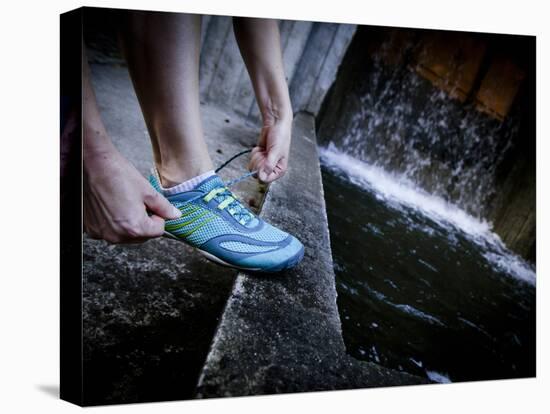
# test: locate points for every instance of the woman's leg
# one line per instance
(162, 51)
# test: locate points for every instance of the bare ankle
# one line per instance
(172, 176)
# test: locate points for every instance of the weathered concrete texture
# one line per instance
(282, 333)
(151, 310)
(319, 64)
(514, 215)
(149, 314)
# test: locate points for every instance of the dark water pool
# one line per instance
(421, 296)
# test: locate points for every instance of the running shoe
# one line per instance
(216, 223)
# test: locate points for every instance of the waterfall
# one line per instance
(410, 128)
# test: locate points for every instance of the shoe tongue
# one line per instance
(210, 183)
(213, 182)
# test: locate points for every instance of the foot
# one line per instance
(220, 227)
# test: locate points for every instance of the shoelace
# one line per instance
(225, 198)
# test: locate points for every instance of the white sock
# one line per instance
(186, 185)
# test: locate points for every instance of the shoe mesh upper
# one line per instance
(240, 247)
(219, 227)
(213, 225)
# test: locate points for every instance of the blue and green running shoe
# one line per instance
(216, 223)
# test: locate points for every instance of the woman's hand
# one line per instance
(270, 156)
(260, 46)
(117, 200)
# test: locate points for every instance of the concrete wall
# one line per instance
(312, 53)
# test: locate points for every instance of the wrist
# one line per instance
(97, 156)
(276, 108)
(276, 114)
(96, 142)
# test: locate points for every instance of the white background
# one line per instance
(29, 223)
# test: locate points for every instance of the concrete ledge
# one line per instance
(282, 333)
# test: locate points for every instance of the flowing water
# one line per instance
(398, 121)
(423, 286)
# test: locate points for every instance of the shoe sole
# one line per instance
(293, 262)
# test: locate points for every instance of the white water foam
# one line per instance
(438, 377)
(400, 191)
(417, 313)
(512, 264)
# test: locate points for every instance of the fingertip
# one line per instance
(175, 213)
(268, 170)
(273, 176)
(262, 176)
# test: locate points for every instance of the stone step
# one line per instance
(282, 333)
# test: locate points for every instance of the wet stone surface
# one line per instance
(150, 312)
